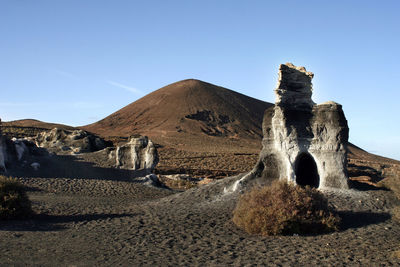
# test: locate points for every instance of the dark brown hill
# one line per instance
(36, 124)
(187, 108)
(29, 127)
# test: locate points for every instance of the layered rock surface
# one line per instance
(294, 86)
(16, 151)
(138, 154)
(303, 142)
(77, 141)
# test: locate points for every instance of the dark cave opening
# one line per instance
(306, 171)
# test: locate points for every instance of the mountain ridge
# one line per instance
(37, 124)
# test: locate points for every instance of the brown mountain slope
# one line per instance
(358, 153)
(36, 124)
(187, 108)
(29, 127)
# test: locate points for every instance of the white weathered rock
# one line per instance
(20, 147)
(303, 142)
(138, 154)
(294, 86)
(77, 141)
(14, 151)
(150, 180)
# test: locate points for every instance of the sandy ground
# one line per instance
(101, 216)
(105, 222)
(89, 214)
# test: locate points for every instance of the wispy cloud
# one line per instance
(126, 87)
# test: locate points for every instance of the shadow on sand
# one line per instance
(67, 166)
(44, 222)
(360, 186)
(358, 219)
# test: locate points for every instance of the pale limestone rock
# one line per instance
(20, 147)
(303, 143)
(150, 180)
(14, 151)
(138, 154)
(77, 141)
(294, 86)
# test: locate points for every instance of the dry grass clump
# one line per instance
(283, 208)
(14, 202)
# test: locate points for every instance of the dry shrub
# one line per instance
(283, 208)
(14, 202)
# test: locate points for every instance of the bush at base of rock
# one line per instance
(14, 203)
(282, 209)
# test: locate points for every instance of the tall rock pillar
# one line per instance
(303, 142)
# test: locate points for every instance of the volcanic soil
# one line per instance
(87, 213)
(120, 221)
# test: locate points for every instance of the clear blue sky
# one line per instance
(75, 62)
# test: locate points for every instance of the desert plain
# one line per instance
(90, 214)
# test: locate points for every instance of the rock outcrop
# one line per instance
(77, 141)
(3, 154)
(139, 153)
(15, 151)
(303, 142)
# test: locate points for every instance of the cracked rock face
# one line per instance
(16, 152)
(138, 154)
(77, 141)
(294, 86)
(303, 142)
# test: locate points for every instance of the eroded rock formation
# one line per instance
(303, 142)
(138, 154)
(78, 141)
(15, 151)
